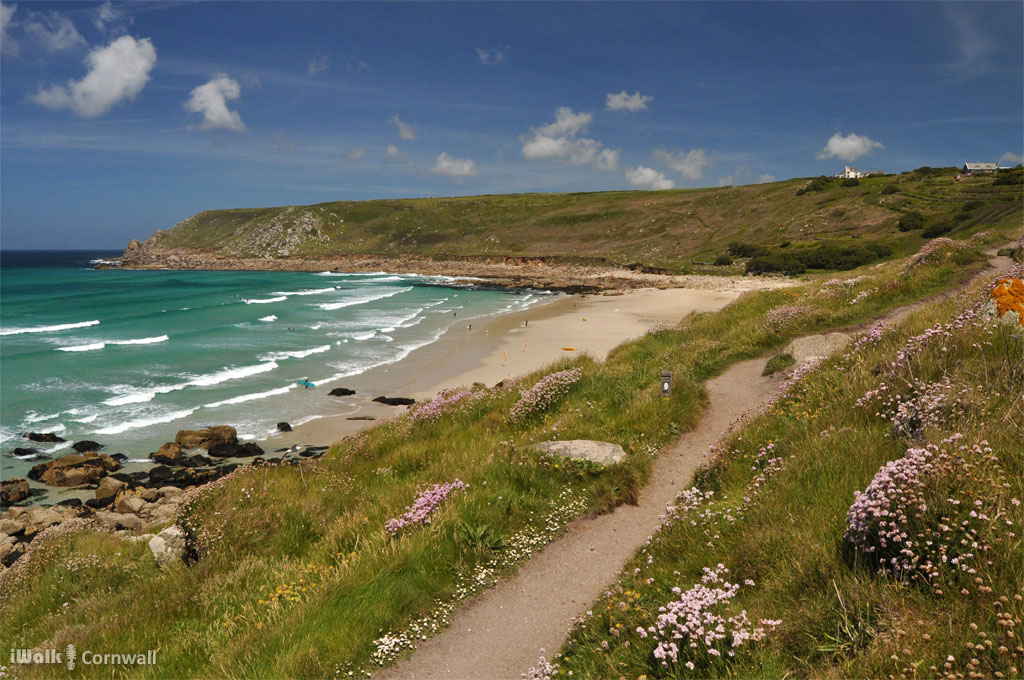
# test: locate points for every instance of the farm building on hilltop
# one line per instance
(971, 168)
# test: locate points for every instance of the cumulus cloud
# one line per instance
(629, 102)
(405, 131)
(117, 72)
(648, 178)
(561, 140)
(492, 56)
(318, 65)
(849, 148)
(689, 164)
(355, 154)
(1012, 158)
(107, 18)
(8, 45)
(53, 32)
(454, 168)
(211, 100)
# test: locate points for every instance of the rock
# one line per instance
(117, 521)
(74, 469)
(11, 527)
(70, 503)
(168, 454)
(15, 513)
(13, 490)
(604, 453)
(38, 519)
(164, 512)
(10, 555)
(197, 460)
(168, 547)
(131, 480)
(235, 450)
(395, 401)
(25, 452)
(149, 495)
(159, 474)
(129, 504)
(87, 445)
(360, 418)
(119, 457)
(98, 503)
(814, 347)
(284, 427)
(210, 436)
(169, 491)
(109, 488)
(45, 438)
(72, 476)
(341, 392)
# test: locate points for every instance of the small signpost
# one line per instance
(666, 384)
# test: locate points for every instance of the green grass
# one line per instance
(295, 575)
(677, 230)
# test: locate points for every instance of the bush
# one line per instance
(850, 182)
(816, 184)
(1009, 177)
(937, 229)
(723, 261)
(910, 221)
(775, 264)
(889, 189)
(740, 249)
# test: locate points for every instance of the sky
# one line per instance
(117, 119)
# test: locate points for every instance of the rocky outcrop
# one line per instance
(109, 488)
(235, 450)
(169, 454)
(168, 546)
(395, 401)
(74, 469)
(604, 453)
(44, 437)
(284, 427)
(87, 445)
(205, 438)
(13, 490)
(341, 392)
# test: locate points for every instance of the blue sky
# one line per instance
(117, 119)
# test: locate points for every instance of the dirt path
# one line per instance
(500, 634)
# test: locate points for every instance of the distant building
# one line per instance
(971, 168)
(850, 172)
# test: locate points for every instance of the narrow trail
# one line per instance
(499, 634)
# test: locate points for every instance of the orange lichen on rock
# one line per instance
(1009, 297)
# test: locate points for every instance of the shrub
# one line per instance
(740, 249)
(889, 190)
(816, 184)
(769, 264)
(910, 221)
(937, 229)
(850, 182)
(1009, 177)
(723, 261)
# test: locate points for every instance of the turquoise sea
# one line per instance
(126, 358)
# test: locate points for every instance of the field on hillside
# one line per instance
(678, 230)
(341, 566)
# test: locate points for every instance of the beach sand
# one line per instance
(500, 348)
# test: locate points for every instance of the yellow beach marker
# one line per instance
(569, 349)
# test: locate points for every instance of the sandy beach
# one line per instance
(504, 347)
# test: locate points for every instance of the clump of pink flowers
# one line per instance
(777, 319)
(424, 506)
(695, 620)
(544, 394)
(544, 670)
(911, 413)
(933, 250)
(441, 404)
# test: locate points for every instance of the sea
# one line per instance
(126, 358)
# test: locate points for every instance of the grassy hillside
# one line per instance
(295, 570)
(664, 229)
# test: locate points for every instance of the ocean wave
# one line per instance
(87, 419)
(382, 279)
(102, 261)
(139, 396)
(349, 370)
(146, 422)
(48, 329)
(256, 301)
(296, 354)
(100, 345)
(268, 319)
(83, 348)
(311, 291)
(251, 397)
(362, 299)
(33, 417)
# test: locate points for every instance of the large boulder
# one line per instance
(87, 445)
(13, 490)
(814, 347)
(129, 504)
(395, 401)
(44, 437)
(284, 427)
(205, 438)
(74, 469)
(109, 487)
(168, 546)
(119, 521)
(341, 392)
(168, 454)
(603, 453)
(160, 474)
(235, 450)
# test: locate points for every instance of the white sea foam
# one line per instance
(87, 419)
(295, 354)
(139, 396)
(255, 301)
(268, 319)
(146, 422)
(33, 417)
(140, 341)
(251, 397)
(311, 291)
(48, 329)
(361, 299)
(83, 348)
(382, 279)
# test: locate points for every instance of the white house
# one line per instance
(971, 168)
(850, 172)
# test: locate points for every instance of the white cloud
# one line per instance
(109, 18)
(53, 32)
(211, 100)
(405, 131)
(561, 141)
(1012, 158)
(117, 72)
(455, 168)
(318, 65)
(629, 102)
(393, 151)
(397, 154)
(493, 56)
(849, 148)
(648, 178)
(356, 154)
(688, 164)
(8, 45)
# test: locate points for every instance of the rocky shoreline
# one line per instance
(499, 272)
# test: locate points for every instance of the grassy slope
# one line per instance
(297, 576)
(664, 229)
